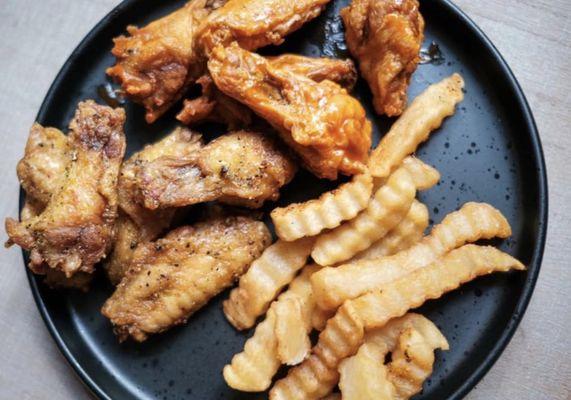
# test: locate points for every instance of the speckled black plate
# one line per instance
(488, 151)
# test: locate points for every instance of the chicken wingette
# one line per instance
(172, 278)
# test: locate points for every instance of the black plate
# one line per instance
(489, 151)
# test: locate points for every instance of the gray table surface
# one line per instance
(533, 35)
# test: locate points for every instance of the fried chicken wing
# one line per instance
(241, 168)
(323, 124)
(213, 105)
(173, 277)
(156, 63)
(385, 37)
(42, 168)
(256, 23)
(75, 229)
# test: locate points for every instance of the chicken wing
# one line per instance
(323, 124)
(75, 229)
(41, 172)
(256, 23)
(241, 168)
(156, 63)
(385, 37)
(173, 277)
(213, 105)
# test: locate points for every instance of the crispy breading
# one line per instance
(171, 278)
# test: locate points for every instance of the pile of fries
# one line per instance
(351, 264)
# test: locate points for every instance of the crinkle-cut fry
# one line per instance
(252, 370)
(320, 317)
(326, 212)
(344, 333)
(388, 334)
(412, 339)
(411, 364)
(291, 331)
(407, 233)
(449, 272)
(425, 113)
(472, 222)
(318, 375)
(386, 209)
(364, 376)
(423, 175)
(275, 268)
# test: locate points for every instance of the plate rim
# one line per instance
(538, 251)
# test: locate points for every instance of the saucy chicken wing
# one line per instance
(75, 229)
(385, 37)
(321, 122)
(256, 23)
(241, 168)
(173, 277)
(213, 105)
(156, 63)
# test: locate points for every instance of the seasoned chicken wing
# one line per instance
(42, 168)
(241, 168)
(156, 63)
(213, 105)
(137, 224)
(256, 23)
(75, 229)
(173, 277)
(41, 172)
(181, 143)
(385, 37)
(323, 124)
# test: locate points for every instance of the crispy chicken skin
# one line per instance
(173, 277)
(256, 23)
(135, 223)
(156, 63)
(241, 168)
(75, 229)
(321, 122)
(385, 37)
(181, 143)
(213, 105)
(41, 172)
(42, 168)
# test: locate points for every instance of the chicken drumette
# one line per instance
(385, 37)
(321, 122)
(75, 229)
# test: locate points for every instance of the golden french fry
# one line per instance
(344, 333)
(275, 268)
(364, 375)
(332, 396)
(385, 210)
(252, 370)
(326, 212)
(472, 222)
(423, 175)
(411, 364)
(425, 113)
(408, 232)
(412, 339)
(291, 331)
